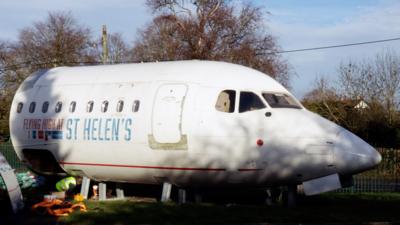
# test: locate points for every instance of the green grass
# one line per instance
(327, 208)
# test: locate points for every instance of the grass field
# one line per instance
(326, 208)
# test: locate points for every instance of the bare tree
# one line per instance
(10, 77)
(323, 99)
(118, 50)
(210, 30)
(3, 50)
(57, 41)
(12, 71)
(387, 69)
(358, 81)
(375, 80)
(321, 91)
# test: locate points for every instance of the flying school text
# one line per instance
(90, 129)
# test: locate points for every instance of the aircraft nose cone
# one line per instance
(376, 158)
(353, 155)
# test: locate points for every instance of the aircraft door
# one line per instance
(167, 113)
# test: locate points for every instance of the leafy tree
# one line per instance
(210, 30)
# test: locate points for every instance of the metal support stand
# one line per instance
(85, 187)
(166, 192)
(102, 191)
(198, 198)
(182, 196)
(269, 201)
(119, 191)
(292, 196)
(273, 195)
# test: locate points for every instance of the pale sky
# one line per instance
(296, 24)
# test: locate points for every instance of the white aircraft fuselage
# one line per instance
(189, 123)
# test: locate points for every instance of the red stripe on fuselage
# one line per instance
(249, 170)
(143, 167)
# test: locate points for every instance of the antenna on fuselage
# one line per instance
(104, 43)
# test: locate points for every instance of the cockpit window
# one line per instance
(279, 100)
(226, 101)
(249, 101)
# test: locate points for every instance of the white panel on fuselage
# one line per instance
(167, 113)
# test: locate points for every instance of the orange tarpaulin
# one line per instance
(57, 207)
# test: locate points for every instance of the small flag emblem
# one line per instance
(34, 134)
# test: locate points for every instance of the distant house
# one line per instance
(361, 105)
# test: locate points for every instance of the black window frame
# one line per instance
(58, 107)
(232, 101)
(136, 106)
(104, 106)
(291, 102)
(45, 106)
(120, 106)
(250, 107)
(72, 107)
(32, 107)
(20, 106)
(90, 106)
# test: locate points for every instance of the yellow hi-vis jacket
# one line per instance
(63, 185)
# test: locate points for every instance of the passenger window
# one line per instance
(120, 106)
(279, 100)
(45, 107)
(226, 101)
(89, 107)
(136, 105)
(72, 107)
(19, 107)
(104, 106)
(58, 107)
(32, 107)
(249, 101)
